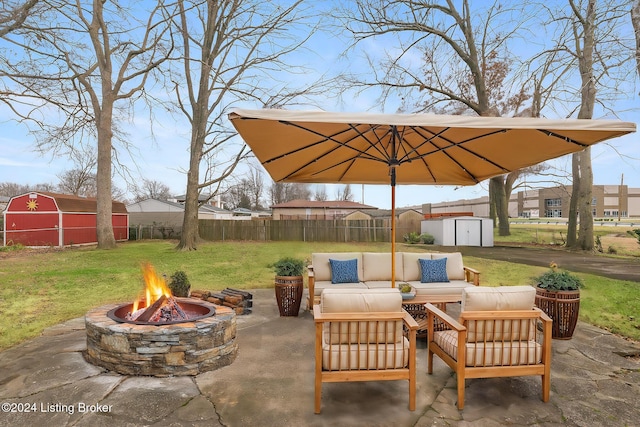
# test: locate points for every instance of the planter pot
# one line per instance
(289, 294)
(562, 307)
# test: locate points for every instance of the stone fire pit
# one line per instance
(186, 348)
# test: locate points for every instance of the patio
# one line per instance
(271, 384)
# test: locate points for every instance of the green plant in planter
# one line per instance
(288, 266)
(179, 284)
(555, 280)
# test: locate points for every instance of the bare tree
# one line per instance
(13, 13)
(281, 192)
(81, 180)
(474, 45)
(344, 193)
(10, 189)
(320, 193)
(88, 60)
(593, 44)
(228, 50)
(152, 189)
(635, 21)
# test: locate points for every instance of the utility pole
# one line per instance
(620, 196)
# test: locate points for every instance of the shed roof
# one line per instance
(71, 203)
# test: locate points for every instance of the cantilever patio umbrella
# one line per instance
(325, 147)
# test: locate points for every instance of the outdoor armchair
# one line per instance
(364, 335)
(499, 334)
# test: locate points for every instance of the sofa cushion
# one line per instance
(453, 287)
(376, 356)
(411, 265)
(344, 271)
(326, 284)
(377, 266)
(433, 270)
(455, 266)
(322, 268)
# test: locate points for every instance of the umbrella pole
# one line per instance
(393, 232)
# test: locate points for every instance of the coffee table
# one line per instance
(416, 308)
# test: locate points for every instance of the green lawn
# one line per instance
(41, 289)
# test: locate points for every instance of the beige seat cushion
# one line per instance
(493, 353)
(453, 287)
(367, 356)
(326, 284)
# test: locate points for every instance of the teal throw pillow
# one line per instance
(433, 270)
(344, 271)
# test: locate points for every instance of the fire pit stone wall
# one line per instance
(179, 349)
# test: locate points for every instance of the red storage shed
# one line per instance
(51, 219)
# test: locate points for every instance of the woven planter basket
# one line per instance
(289, 294)
(562, 307)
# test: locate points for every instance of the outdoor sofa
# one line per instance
(430, 274)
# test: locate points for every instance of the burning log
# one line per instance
(149, 311)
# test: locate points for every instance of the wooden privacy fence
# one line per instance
(373, 230)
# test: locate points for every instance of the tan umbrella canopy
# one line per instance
(363, 148)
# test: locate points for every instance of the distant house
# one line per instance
(51, 219)
(316, 209)
(407, 220)
(169, 214)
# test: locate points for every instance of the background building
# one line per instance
(609, 201)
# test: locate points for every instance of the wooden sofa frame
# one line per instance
(343, 374)
(438, 320)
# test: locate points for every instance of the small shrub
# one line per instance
(635, 233)
(599, 244)
(427, 239)
(288, 266)
(179, 284)
(412, 238)
(612, 250)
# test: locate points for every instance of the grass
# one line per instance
(43, 288)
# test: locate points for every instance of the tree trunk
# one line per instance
(502, 205)
(635, 21)
(581, 192)
(190, 231)
(585, 213)
(104, 224)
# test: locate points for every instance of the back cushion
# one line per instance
(322, 269)
(377, 266)
(362, 301)
(411, 265)
(455, 267)
(501, 298)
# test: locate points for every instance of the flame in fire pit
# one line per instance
(154, 287)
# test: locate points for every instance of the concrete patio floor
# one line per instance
(594, 382)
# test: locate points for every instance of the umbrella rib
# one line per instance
(461, 146)
(566, 138)
(361, 154)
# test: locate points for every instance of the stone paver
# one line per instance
(271, 384)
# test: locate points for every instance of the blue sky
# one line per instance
(162, 155)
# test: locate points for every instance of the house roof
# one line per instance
(328, 204)
(71, 203)
(386, 213)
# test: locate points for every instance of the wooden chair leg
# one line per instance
(546, 387)
(461, 380)
(318, 395)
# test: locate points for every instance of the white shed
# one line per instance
(460, 231)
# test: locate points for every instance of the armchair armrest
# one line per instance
(311, 285)
(434, 312)
(472, 275)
